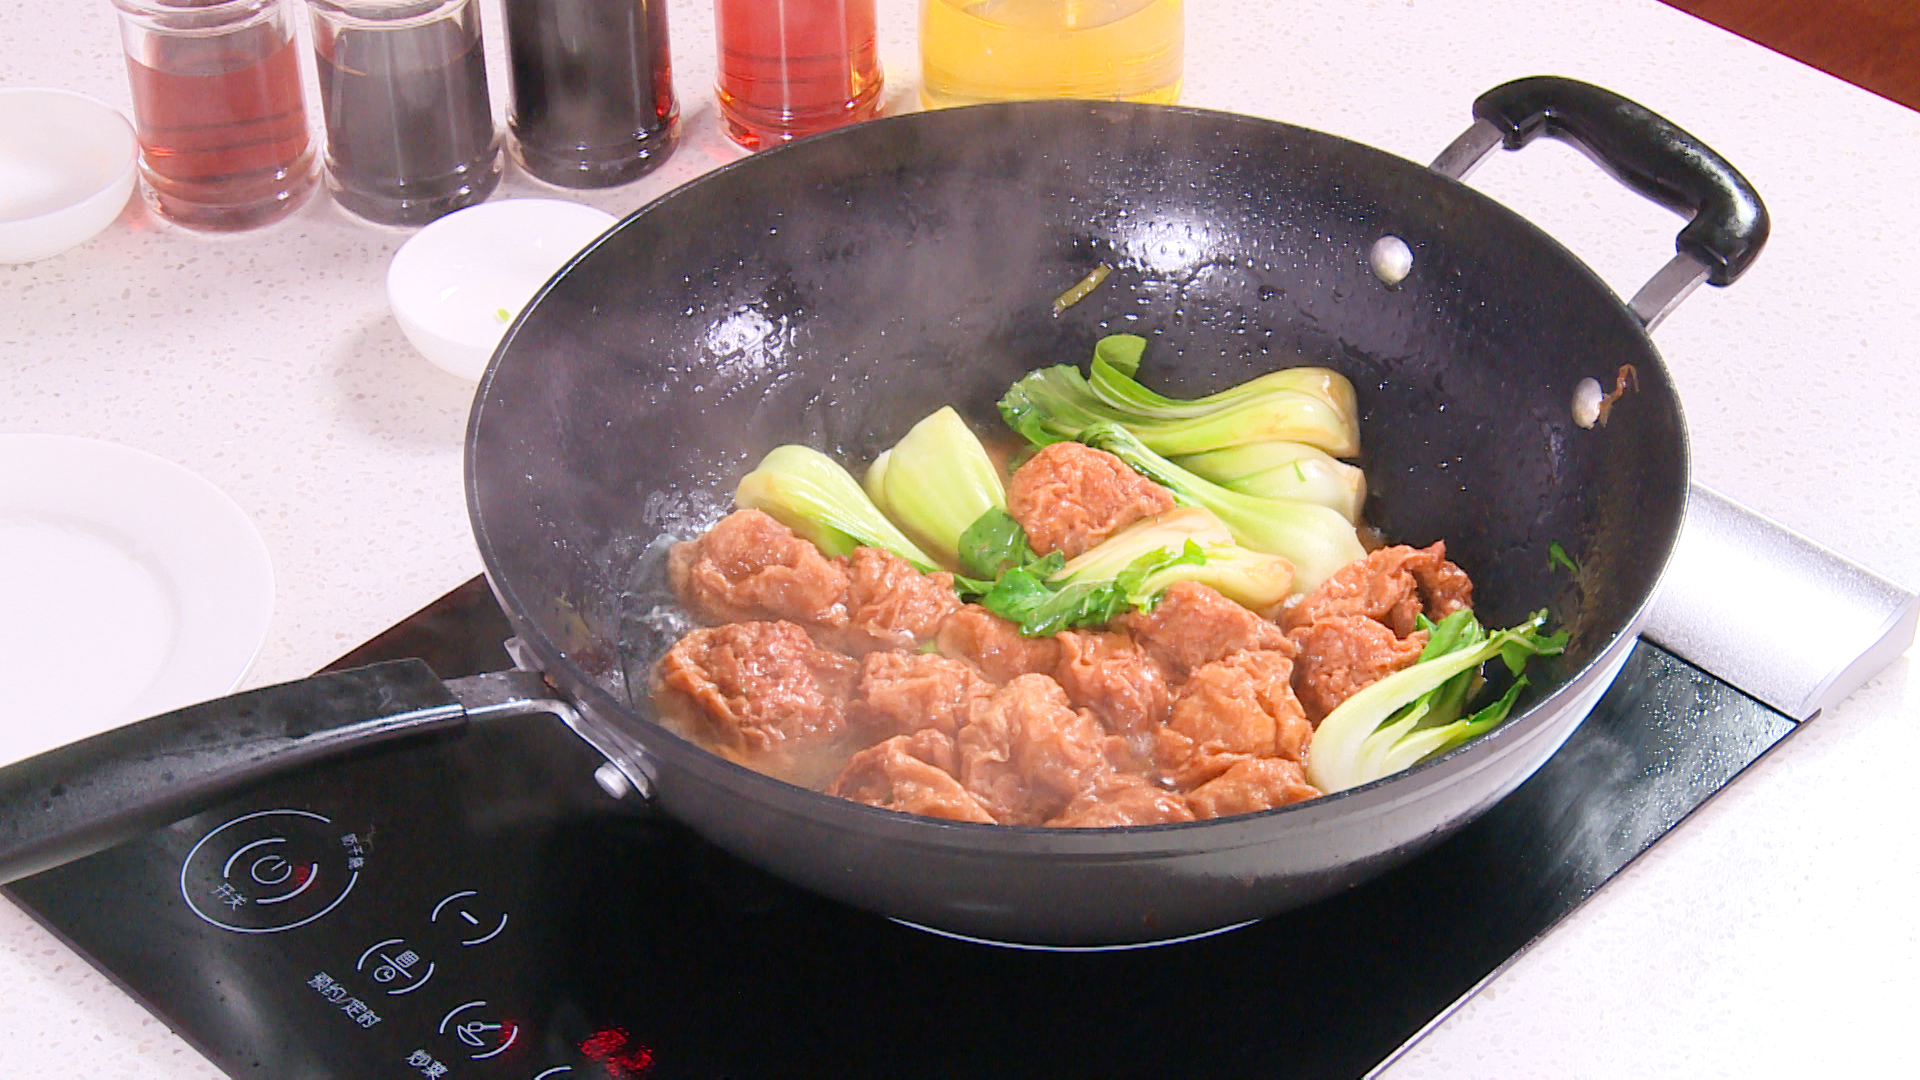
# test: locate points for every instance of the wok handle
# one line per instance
(1642, 150)
(87, 796)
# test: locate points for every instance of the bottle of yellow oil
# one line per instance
(1004, 50)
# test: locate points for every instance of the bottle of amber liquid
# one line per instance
(219, 110)
(790, 68)
(973, 51)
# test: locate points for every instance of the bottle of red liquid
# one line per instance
(790, 68)
(219, 110)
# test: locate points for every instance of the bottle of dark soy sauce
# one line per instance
(593, 102)
(410, 132)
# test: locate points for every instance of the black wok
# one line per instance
(834, 291)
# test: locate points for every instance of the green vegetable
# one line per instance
(1309, 405)
(936, 483)
(1043, 603)
(1284, 470)
(1557, 556)
(1415, 713)
(1081, 288)
(1116, 362)
(1316, 540)
(994, 543)
(1249, 578)
(875, 482)
(810, 493)
(1121, 354)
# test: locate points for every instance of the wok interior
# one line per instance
(835, 292)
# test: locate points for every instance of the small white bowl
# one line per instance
(458, 283)
(67, 166)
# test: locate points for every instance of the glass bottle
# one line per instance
(973, 51)
(218, 106)
(403, 85)
(593, 101)
(790, 68)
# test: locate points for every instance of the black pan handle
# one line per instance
(1646, 152)
(87, 796)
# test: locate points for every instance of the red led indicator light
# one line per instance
(613, 1048)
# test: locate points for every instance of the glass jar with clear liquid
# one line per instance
(973, 51)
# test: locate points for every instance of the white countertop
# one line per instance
(1773, 932)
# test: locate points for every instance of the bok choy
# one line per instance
(810, 493)
(1116, 365)
(1318, 541)
(1128, 570)
(1308, 405)
(1042, 602)
(1284, 470)
(1415, 713)
(1249, 578)
(936, 483)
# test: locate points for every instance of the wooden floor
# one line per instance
(1871, 43)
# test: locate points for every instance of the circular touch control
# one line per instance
(270, 871)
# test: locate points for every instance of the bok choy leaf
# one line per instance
(994, 543)
(810, 493)
(936, 483)
(1284, 470)
(1316, 540)
(1249, 578)
(1042, 602)
(1418, 712)
(1309, 405)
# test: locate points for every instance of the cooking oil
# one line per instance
(973, 51)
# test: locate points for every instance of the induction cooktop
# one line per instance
(480, 908)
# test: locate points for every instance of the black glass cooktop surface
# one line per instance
(479, 908)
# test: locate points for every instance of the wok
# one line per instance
(834, 291)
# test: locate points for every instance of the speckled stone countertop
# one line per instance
(1771, 933)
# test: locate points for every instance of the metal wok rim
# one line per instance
(940, 833)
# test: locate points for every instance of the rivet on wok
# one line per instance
(1587, 396)
(1391, 260)
(612, 780)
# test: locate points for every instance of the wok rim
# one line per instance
(1018, 841)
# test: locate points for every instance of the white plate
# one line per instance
(128, 586)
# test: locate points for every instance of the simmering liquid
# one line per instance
(973, 51)
(223, 128)
(790, 68)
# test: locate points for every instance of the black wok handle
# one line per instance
(87, 796)
(1647, 153)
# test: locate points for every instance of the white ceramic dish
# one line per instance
(128, 586)
(459, 282)
(66, 170)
